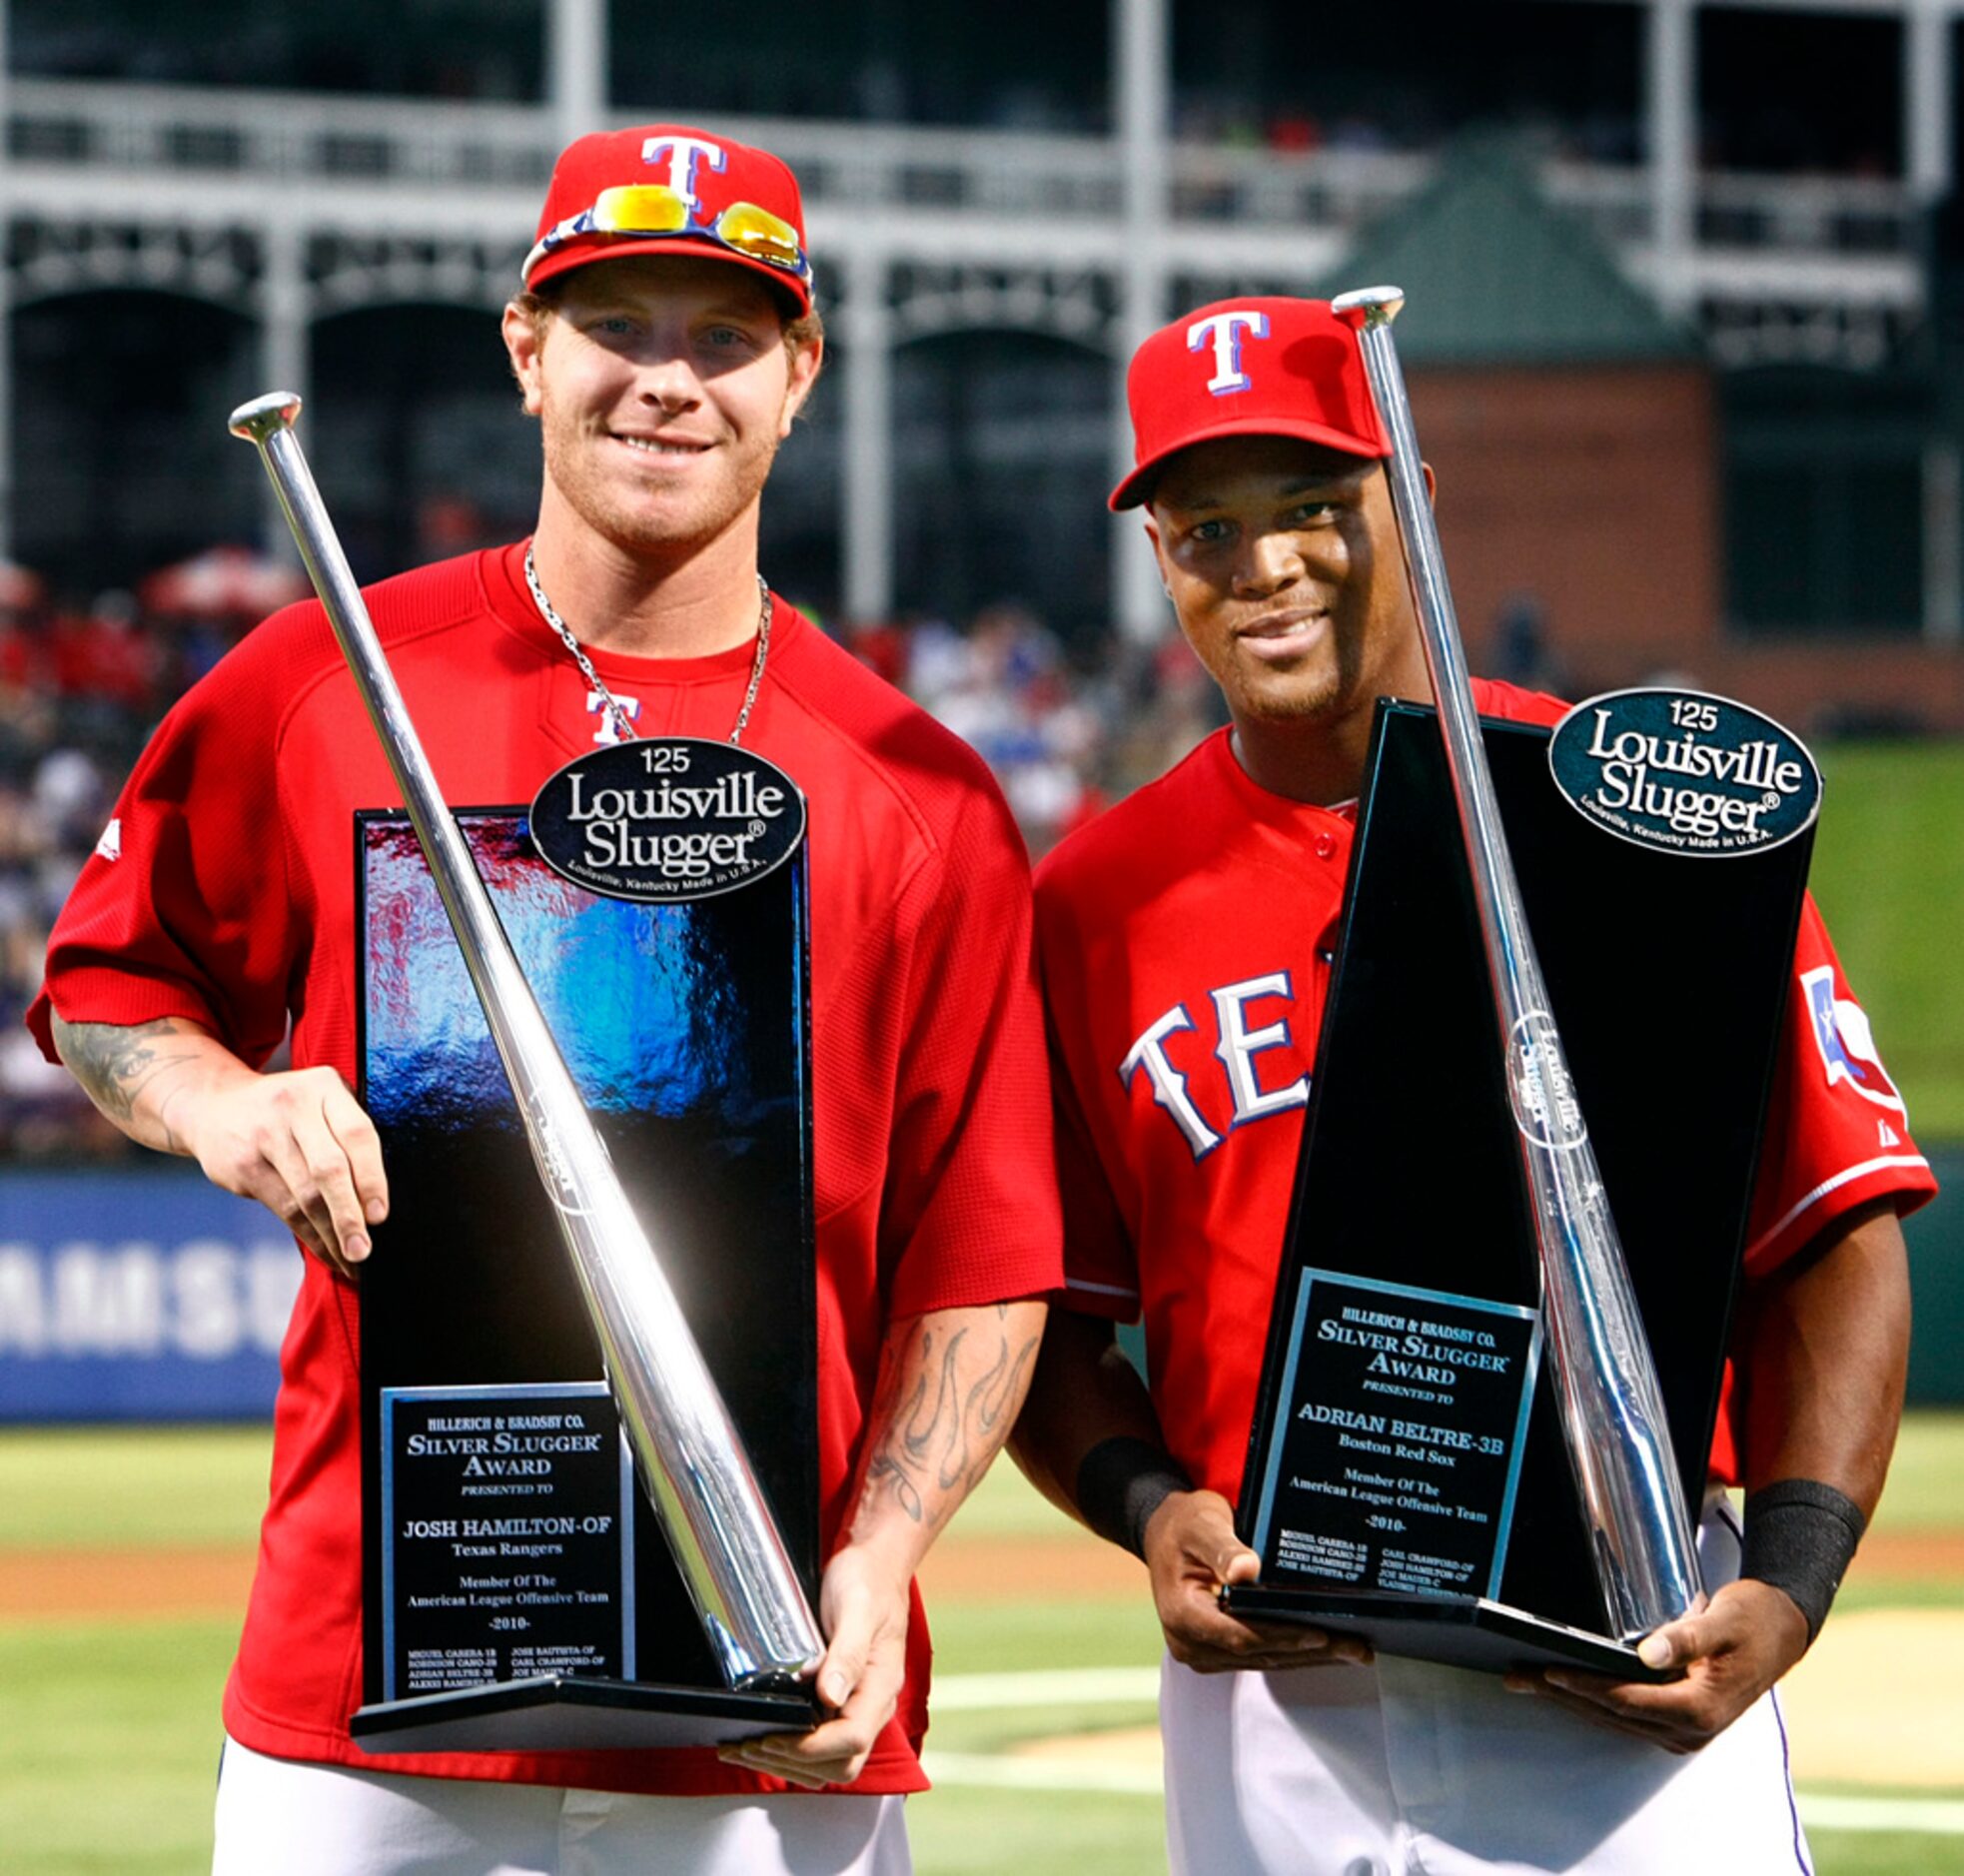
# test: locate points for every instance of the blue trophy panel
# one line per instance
(509, 1549)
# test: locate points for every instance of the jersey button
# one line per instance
(1326, 847)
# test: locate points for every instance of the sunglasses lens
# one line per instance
(760, 234)
(639, 209)
(644, 210)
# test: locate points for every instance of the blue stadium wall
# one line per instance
(139, 1295)
(146, 1295)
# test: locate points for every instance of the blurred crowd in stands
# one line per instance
(1064, 737)
(81, 690)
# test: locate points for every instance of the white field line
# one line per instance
(968, 1693)
(1929, 1817)
(986, 1768)
(1087, 1686)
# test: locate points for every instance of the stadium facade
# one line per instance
(170, 245)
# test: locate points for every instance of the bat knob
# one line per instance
(266, 416)
(1379, 305)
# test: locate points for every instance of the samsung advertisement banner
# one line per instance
(139, 1295)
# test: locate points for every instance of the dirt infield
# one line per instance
(1919, 1556)
(50, 1586)
(995, 1569)
(46, 1584)
(1875, 1700)
(1028, 1569)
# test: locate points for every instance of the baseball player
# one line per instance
(664, 340)
(1186, 940)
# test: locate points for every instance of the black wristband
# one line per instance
(1800, 1537)
(1120, 1483)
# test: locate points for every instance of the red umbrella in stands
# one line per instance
(20, 589)
(223, 583)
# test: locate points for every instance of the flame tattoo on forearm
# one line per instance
(948, 1398)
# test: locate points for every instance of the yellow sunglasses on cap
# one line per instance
(649, 211)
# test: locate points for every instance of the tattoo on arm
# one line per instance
(114, 1062)
(960, 1391)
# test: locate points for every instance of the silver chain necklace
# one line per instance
(622, 727)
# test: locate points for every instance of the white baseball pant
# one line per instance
(283, 1817)
(1407, 1769)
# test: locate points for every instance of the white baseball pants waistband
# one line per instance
(285, 1817)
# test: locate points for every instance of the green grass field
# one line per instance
(1888, 871)
(109, 1728)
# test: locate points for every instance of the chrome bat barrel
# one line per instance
(686, 1447)
(1611, 1406)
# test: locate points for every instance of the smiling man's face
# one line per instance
(1282, 563)
(663, 386)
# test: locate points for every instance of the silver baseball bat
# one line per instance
(686, 1447)
(1611, 1407)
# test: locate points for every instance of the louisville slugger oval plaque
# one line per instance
(1684, 772)
(667, 818)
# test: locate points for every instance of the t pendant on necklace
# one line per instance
(622, 727)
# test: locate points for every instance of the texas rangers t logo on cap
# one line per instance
(1263, 364)
(1224, 331)
(684, 153)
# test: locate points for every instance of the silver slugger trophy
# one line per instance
(688, 1451)
(1606, 1387)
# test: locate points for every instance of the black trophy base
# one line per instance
(1456, 1631)
(577, 1713)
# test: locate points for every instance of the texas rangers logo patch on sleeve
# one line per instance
(1845, 1041)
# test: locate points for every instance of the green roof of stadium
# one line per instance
(1495, 275)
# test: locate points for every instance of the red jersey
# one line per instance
(1186, 939)
(232, 902)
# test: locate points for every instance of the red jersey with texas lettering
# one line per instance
(232, 902)
(1186, 939)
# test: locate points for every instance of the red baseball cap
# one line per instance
(673, 189)
(1248, 367)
